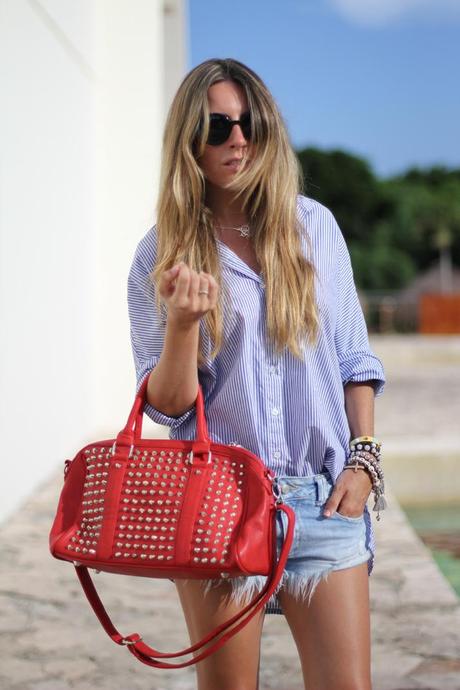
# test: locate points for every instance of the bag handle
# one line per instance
(132, 431)
(152, 657)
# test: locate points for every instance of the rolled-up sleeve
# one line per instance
(357, 362)
(147, 326)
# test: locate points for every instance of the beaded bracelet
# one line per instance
(366, 443)
(357, 461)
(377, 477)
(368, 460)
(368, 457)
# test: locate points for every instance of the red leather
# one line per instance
(148, 507)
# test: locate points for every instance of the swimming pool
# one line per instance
(438, 525)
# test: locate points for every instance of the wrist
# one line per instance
(178, 325)
(365, 455)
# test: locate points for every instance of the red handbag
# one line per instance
(167, 508)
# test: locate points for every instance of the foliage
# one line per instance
(395, 228)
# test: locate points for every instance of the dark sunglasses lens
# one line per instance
(219, 130)
(245, 122)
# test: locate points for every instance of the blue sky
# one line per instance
(378, 78)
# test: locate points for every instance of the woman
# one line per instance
(245, 287)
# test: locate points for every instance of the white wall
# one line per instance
(85, 88)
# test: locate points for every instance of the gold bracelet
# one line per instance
(365, 439)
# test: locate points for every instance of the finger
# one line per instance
(168, 277)
(332, 503)
(173, 271)
(182, 283)
(167, 283)
(213, 289)
(203, 288)
(194, 285)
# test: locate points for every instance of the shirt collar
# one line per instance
(232, 260)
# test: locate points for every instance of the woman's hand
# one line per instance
(180, 287)
(349, 495)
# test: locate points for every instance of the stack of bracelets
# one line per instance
(365, 455)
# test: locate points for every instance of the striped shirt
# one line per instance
(289, 412)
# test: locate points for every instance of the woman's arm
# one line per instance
(359, 407)
(173, 383)
(167, 350)
(352, 489)
(362, 378)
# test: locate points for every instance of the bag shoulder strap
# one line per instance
(220, 635)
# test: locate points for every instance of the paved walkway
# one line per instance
(420, 408)
(51, 640)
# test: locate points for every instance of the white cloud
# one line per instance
(382, 12)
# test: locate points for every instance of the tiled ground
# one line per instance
(51, 640)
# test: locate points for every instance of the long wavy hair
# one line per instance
(268, 189)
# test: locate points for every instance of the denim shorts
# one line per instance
(320, 544)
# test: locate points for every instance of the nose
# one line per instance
(237, 136)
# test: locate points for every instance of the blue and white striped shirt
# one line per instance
(289, 412)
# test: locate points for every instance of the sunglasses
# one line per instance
(220, 127)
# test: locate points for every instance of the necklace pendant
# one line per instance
(244, 231)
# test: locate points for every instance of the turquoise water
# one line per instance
(440, 520)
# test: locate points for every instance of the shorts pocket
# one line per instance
(348, 518)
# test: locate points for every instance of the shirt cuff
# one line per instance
(360, 367)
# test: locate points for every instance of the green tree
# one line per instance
(426, 222)
(395, 227)
(363, 209)
(345, 184)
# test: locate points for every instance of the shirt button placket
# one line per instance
(275, 414)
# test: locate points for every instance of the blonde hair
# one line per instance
(268, 188)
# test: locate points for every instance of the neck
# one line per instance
(226, 209)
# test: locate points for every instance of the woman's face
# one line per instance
(228, 98)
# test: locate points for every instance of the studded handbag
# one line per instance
(170, 509)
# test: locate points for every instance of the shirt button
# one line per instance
(285, 488)
(275, 411)
(276, 454)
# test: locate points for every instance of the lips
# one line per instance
(233, 161)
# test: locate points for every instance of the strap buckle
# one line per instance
(190, 458)
(114, 448)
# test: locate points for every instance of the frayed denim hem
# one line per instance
(245, 589)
